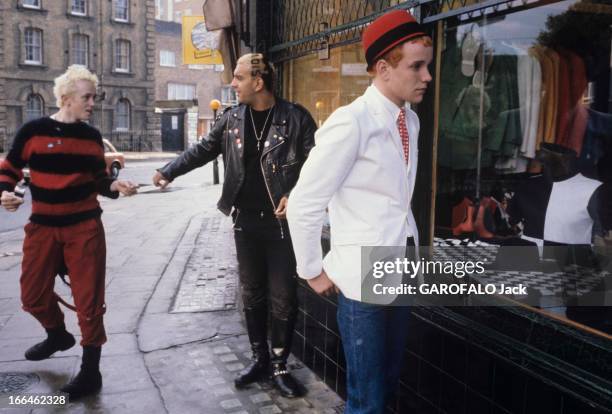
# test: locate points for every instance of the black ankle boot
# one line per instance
(256, 322)
(259, 368)
(88, 380)
(284, 382)
(58, 339)
(282, 335)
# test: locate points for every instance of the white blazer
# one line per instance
(356, 170)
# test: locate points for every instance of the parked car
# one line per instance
(115, 161)
(20, 187)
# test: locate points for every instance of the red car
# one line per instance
(115, 160)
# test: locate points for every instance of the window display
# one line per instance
(525, 135)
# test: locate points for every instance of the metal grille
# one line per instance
(300, 27)
(432, 11)
(14, 382)
(132, 140)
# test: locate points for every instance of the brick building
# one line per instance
(115, 39)
(183, 92)
(174, 10)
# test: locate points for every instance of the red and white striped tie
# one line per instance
(403, 131)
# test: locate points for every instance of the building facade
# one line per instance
(114, 39)
(174, 10)
(183, 92)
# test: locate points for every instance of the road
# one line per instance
(137, 171)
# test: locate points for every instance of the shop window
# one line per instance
(324, 85)
(34, 107)
(524, 150)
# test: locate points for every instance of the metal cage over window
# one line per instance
(301, 27)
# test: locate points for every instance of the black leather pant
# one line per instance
(266, 264)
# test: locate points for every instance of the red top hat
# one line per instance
(388, 31)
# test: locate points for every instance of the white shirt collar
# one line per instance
(390, 107)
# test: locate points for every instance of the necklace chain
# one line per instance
(260, 136)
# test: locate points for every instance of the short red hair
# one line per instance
(394, 55)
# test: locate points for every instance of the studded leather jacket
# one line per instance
(286, 147)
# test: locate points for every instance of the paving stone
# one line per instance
(221, 391)
(210, 371)
(215, 381)
(221, 350)
(260, 397)
(229, 404)
(210, 278)
(226, 357)
(270, 409)
(235, 367)
(202, 361)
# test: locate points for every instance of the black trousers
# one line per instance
(266, 263)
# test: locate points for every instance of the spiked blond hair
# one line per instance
(65, 84)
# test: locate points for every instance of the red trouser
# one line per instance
(83, 248)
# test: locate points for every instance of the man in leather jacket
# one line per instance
(264, 142)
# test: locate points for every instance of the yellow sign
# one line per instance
(199, 44)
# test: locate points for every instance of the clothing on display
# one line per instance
(502, 99)
(557, 211)
(529, 95)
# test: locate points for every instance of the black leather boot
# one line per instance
(58, 339)
(88, 380)
(256, 322)
(282, 335)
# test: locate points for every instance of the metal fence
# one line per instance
(3, 142)
(133, 140)
(136, 141)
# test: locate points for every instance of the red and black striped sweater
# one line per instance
(67, 170)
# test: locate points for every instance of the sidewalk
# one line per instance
(168, 350)
(147, 156)
(137, 156)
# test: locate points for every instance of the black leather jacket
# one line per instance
(286, 147)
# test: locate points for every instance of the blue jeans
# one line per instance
(373, 337)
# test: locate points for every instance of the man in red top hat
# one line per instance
(374, 136)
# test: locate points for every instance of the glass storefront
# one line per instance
(524, 141)
(525, 149)
(515, 152)
(324, 85)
